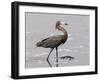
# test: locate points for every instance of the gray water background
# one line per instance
(42, 25)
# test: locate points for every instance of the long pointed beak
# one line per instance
(66, 24)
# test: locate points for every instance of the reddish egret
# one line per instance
(55, 41)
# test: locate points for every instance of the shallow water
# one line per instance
(39, 60)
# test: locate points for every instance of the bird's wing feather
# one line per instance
(52, 41)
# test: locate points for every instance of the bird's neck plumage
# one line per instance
(64, 32)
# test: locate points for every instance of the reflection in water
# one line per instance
(69, 58)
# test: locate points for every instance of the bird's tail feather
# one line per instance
(39, 44)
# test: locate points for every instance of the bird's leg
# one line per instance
(57, 56)
(48, 57)
(49, 53)
(49, 63)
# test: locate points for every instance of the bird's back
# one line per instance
(52, 42)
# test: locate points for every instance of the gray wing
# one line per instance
(51, 42)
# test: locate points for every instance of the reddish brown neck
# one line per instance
(64, 31)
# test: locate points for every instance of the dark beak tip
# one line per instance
(66, 24)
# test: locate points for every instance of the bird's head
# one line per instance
(60, 25)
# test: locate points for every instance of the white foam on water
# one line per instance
(79, 47)
(66, 50)
(41, 54)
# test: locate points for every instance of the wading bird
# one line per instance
(55, 41)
